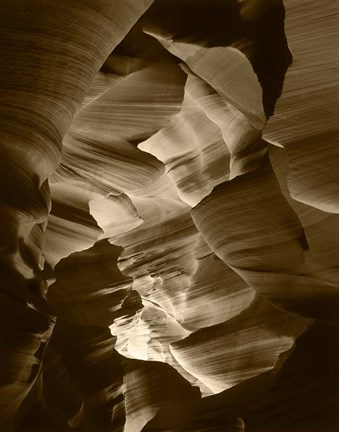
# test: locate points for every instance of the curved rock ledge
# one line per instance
(168, 208)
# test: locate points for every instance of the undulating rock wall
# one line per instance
(169, 215)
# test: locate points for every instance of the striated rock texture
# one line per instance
(169, 216)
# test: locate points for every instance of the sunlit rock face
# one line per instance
(169, 216)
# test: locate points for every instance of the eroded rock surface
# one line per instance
(169, 215)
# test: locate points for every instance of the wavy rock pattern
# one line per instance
(311, 123)
(169, 216)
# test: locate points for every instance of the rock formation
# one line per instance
(169, 216)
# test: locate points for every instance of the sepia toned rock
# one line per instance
(169, 216)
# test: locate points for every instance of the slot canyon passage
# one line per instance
(169, 192)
